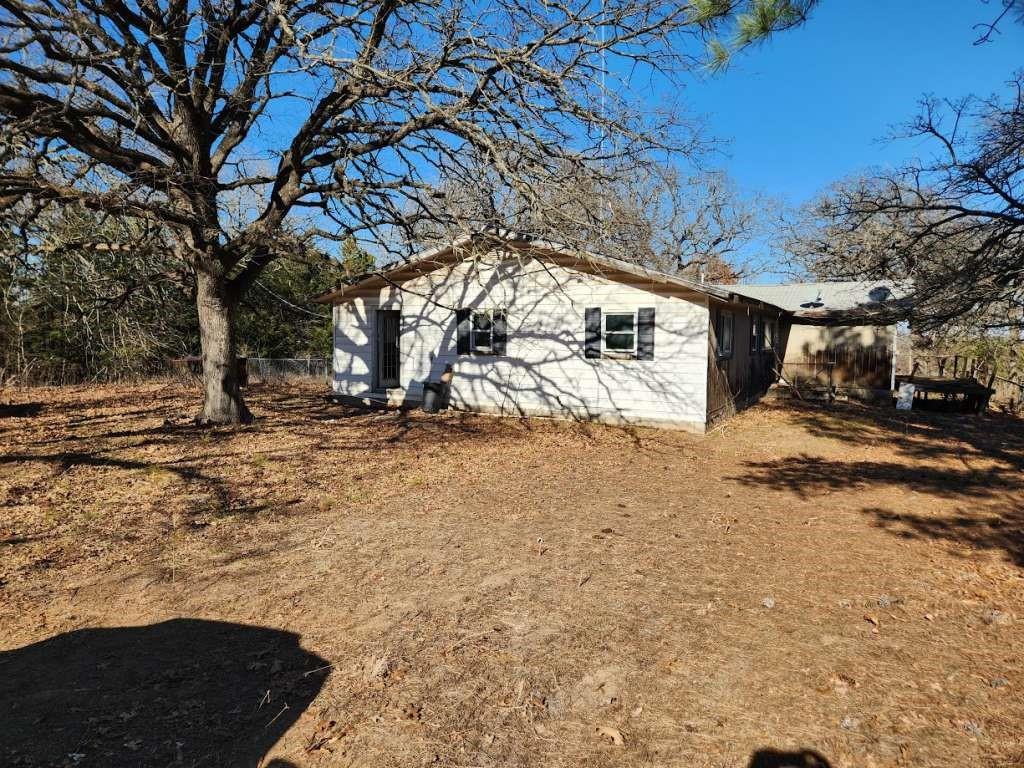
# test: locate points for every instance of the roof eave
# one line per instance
(529, 241)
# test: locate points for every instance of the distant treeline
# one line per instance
(92, 301)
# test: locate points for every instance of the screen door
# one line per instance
(387, 348)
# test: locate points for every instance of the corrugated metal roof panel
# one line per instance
(827, 296)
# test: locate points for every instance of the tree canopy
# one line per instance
(335, 116)
(94, 298)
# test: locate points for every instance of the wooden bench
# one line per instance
(974, 394)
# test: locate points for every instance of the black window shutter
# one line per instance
(645, 333)
(462, 323)
(592, 332)
(499, 332)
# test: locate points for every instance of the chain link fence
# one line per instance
(265, 370)
(260, 370)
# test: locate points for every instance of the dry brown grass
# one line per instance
(473, 591)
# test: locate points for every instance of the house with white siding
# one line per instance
(528, 327)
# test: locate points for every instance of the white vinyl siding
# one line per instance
(544, 370)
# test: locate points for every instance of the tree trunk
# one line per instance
(222, 399)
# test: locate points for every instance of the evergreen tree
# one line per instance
(354, 260)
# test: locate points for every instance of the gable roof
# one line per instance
(431, 259)
(846, 301)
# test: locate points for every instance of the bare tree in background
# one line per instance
(642, 210)
(342, 111)
(704, 227)
(950, 228)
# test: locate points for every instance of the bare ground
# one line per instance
(805, 587)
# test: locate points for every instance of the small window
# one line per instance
(771, 329)
(483, 332)
(620, 332)
(723, 333)
(755, 333)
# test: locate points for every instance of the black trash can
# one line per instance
(434, 393)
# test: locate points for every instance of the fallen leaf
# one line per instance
(842, 683)
(612, 734)
(871, 618)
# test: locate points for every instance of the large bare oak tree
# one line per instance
(339, 115)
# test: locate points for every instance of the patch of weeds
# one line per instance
(158, 475)
(91, 513)
(56, 514)
(326, 502)
(356, 495)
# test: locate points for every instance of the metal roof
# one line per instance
(388, 272)
(819, 299)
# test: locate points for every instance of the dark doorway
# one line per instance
(388, 358)
(183, 692)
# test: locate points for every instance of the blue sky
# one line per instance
(814, 105)
(811, 105)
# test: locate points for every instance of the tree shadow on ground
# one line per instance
(182, 692)
(68, 460)
(282, 409)
(947, 457)
(916, 434)
(773, 758)
(409, 425)
(20, 410)
(807, 476)
(996, 529)
(995, 522)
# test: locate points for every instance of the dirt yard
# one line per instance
(805, 587)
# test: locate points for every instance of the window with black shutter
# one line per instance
(481, 331)
(619, 333)
(463, 331)
(592, 332)
(645, 333)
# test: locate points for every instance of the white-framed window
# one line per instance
(724, 325)
(619, 336)
(482, 331)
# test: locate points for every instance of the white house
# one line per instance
(534, 328)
